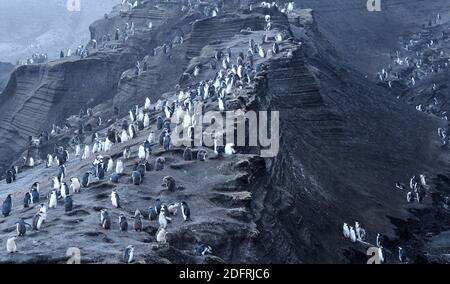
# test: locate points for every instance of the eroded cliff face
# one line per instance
(343, 144)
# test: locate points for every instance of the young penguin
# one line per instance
(186, 211)
(128, 254)
(123, 224)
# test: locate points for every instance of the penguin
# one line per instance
(202, 155)
(43, 211)
(138, 221)
(141, 152)
(401, 255)
(119, 167)
(126, 153)
(115, 200)
(146, 122)
(409, 197)
(75, 185)
(123, 224)
(108, 145)
(358, 230)
(221, 105)
(35, 197)
(27, 200)
(147, 149)
(49, 161)
(21, 228)
(229, 150)
(86, 153)
(159, 122)
(173, 208)
(85, 180)
(128, 254)
(7, 206)
(202, 249)
(11, 246)
(346, 231)
(110, 165)
(105, 220)
(37, 221)
(114, 178)
(159, 164)
(124, 136)
(380, 254)
(187, 154)
(167, 142)
(169, 183)
(157, 206)
(53, 200)
(9, 176)
(400, 185)
(147, 104)
(141, 168)
(352, 234)
(152, 215)
(31, 162)
(151, 137)
(68, 203)
(161, 236)
(136, 178)
(131, 131)
(186, 211)
(162, 218)
(100, 172)
(64, 190)
(132, 116)
(379, 240)
(56, 184)
(77, 150)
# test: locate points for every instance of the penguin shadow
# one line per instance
(73, 222)
(78, 212)
(182, 165)
(98, 208)
(9, 230)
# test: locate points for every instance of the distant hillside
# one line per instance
(5, 71)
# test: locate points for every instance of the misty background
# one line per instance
(45, 26)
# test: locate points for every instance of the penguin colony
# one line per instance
(237, 70)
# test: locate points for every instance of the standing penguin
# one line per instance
(37, 221)
(119, 167)
(85, 180)
(21, 228)
(136, 178)
(75, 185)
(186, 211)
(115, 200)
(123, 224)
(64, 190)
(128, 254)
(68, 203)
(110, 165)
(380, 254)
(138, 221)
(11, 245)
(62, 173)
(161, 235)
(352, 234)
(379, 240)
(27, 200)
(147, 104)
(53, 200)
(141, 152)
(35, 197)
(159, 122)
(346, 231)
(167, 142)
(401, 255)
(7, 206)
(105, 219)
(163, 218)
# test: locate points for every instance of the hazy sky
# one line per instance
(28, 26)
